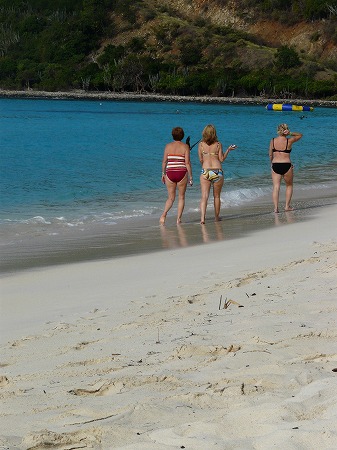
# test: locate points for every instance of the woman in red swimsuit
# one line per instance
(281, 167)
(176, 171)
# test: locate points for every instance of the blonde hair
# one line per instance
(209, 134)
(282, 128)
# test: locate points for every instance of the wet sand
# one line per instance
(145, 235)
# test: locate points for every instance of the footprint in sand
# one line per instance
(100, 389)
(3, 381)
(49, 439)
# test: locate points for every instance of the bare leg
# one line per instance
(171, 195)
(205, 186)
(217, 186)
(288, 178)
(276, 189)
(182, 185)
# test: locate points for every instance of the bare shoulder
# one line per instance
(169, 146)
(295, 137)
(167, 149)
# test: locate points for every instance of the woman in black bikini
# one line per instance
(281, 167)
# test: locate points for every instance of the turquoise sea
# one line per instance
(82, 179)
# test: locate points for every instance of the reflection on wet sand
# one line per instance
(187, 234)
(173, 238)
(287, 217)
(217, 235)
(177, 236)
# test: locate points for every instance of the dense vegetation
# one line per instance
(129, 45)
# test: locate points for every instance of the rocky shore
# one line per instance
(131, 96)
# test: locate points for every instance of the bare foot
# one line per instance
(178, 221)
(162, 220)
(290, 208)
(202, 222)
(218, 219)
(276, 211)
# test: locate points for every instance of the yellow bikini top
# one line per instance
(210, 153)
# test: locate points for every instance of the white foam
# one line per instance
(242, 196)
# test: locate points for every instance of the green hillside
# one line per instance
(214, 48)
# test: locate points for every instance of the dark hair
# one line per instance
(178, 133)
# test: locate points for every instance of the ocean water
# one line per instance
(74, 169)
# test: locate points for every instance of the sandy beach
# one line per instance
(229, 345)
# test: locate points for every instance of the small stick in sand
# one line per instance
(228, 302)
(158, 340)
(231, 302)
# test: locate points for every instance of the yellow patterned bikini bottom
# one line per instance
(212, 175)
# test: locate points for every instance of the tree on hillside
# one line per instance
(286, 58)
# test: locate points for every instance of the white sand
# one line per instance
(134, 353)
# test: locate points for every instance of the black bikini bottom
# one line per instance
(281, 168)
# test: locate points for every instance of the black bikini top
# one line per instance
(281, 151)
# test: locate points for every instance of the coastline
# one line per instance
(226, 345)
(128, 96)
(31, 251)
(54, 236)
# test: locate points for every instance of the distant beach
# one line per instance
(131, 96)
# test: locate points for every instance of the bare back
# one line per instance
(210, 156)
(177, 148)
(281, 146)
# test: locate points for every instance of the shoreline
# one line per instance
(225, 338)
(128, 96)
(230, 345)
(145, 236)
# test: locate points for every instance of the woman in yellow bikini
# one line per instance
(211, 156)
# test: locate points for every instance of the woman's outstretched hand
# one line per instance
(233, 147)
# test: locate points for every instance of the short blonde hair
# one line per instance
(282, 128)
(209, 134)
